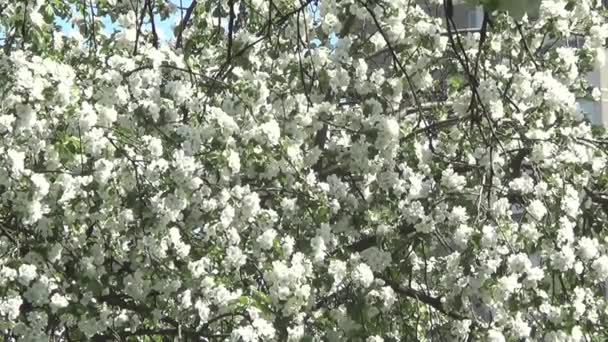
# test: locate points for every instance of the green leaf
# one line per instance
(242, 300)
(455, 81)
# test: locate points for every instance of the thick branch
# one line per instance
(230, 28)
(433, 302)
(154, 33)
(182, 25)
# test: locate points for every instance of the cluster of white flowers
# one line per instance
(314, 170)
(363, 275)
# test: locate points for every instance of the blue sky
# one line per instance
(164, 27)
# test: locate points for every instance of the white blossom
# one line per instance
(58, 301)
(266, 240)
(362, 275)
(600, 267)
(27, 273)
(271, 131)
(537, 209)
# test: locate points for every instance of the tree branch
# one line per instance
(182, 25)
(433, 302)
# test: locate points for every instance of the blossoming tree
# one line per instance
(260, 175)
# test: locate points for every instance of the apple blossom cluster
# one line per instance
(340, 170)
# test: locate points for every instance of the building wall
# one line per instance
(598, 110)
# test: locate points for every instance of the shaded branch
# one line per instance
(433, 302)
(230, 28)
(184, 22)
(151, 14)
